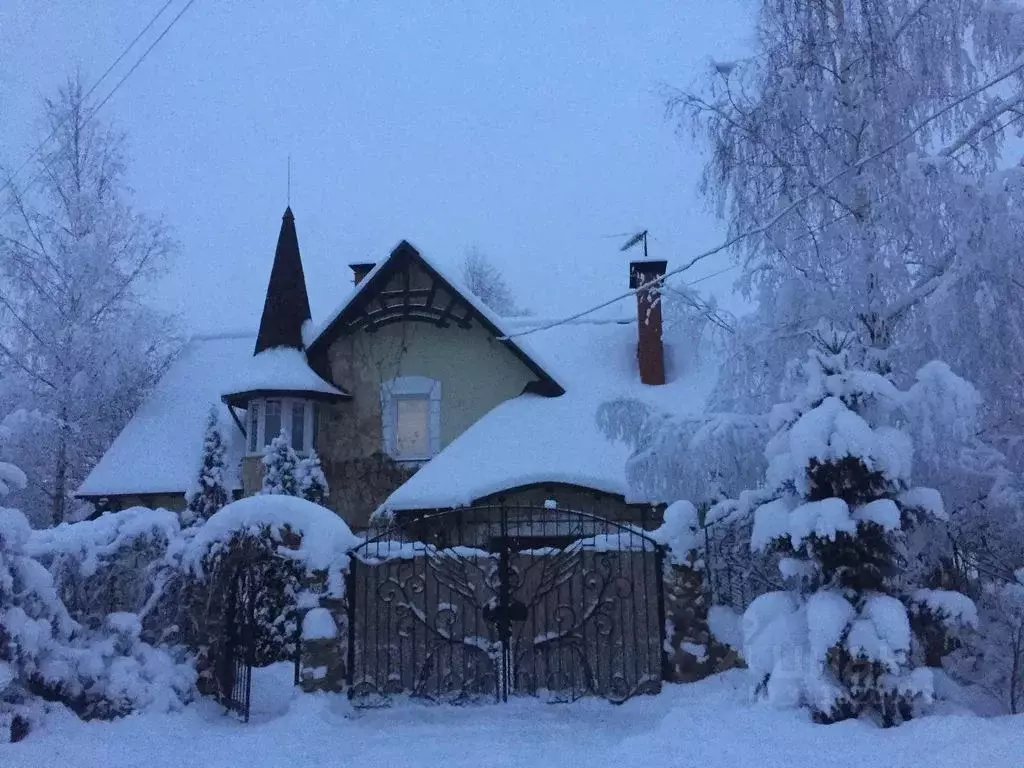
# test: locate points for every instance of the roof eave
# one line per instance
(241, 399)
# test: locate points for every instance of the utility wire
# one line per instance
(117, 86)
(143, 57)
(118, 60)
(786, 210)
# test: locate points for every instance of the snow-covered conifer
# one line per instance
(210, 493)
(310, 479)
(838, 507)
(279, 468)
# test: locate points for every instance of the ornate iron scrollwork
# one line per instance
(579, 615)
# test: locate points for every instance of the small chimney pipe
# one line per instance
(650, 352)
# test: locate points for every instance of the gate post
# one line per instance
(323, 624)
(666, 661)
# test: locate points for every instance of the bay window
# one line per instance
(268, 418)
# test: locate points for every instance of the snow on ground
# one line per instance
(707, 725)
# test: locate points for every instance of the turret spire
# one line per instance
(286, 307)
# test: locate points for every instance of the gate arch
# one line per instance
(246, 586)
(498, 600)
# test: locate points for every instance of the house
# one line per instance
(412, 392)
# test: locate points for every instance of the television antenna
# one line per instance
(639, 237)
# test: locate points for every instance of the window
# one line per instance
(269, 418)
(412, 426)
(254, 426)
(272, 422)
(411, 418)
(299, 425)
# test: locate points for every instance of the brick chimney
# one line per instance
(360, 270)
(650, 353)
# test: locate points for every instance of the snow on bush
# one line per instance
(279, 540)
(837, 506)
(46, 654)
(121, 561)
(279, 468)
(322, 539)
(310, 480)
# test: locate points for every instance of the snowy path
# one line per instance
(708, 725)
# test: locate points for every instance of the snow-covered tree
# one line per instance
(485, 281)
(78, 348)
(908, 233)
(310, 479)
(280, 468)
(210, 493)
(849, 634)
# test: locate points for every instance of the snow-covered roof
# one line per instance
(282, 369)
(533, 439)
(159, 450)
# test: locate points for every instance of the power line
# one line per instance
(786, 210)
(118, 60)
(114, 90)
(142, 58)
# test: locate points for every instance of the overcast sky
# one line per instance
(532, 130)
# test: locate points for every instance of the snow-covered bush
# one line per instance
(210, 493)
(274, 545)
(124, 561)
(46, 655)
(310, 480)
(838, 507)
(279, 468)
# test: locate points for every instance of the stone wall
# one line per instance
(359, 485)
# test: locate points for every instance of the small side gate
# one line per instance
(489, 602)
(235, 663)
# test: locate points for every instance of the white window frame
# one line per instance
(287, 404)
(403, 387)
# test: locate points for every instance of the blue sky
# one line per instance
(529, 130)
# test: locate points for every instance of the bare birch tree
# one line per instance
(78, 347)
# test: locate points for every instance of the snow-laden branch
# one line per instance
(997, 109)
(764, 227)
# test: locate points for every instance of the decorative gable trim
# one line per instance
(376, 302)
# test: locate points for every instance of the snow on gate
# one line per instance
(486, 602)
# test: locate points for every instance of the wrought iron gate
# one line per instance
(488, 602)
(234, 674)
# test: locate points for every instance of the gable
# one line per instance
(406, 288)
